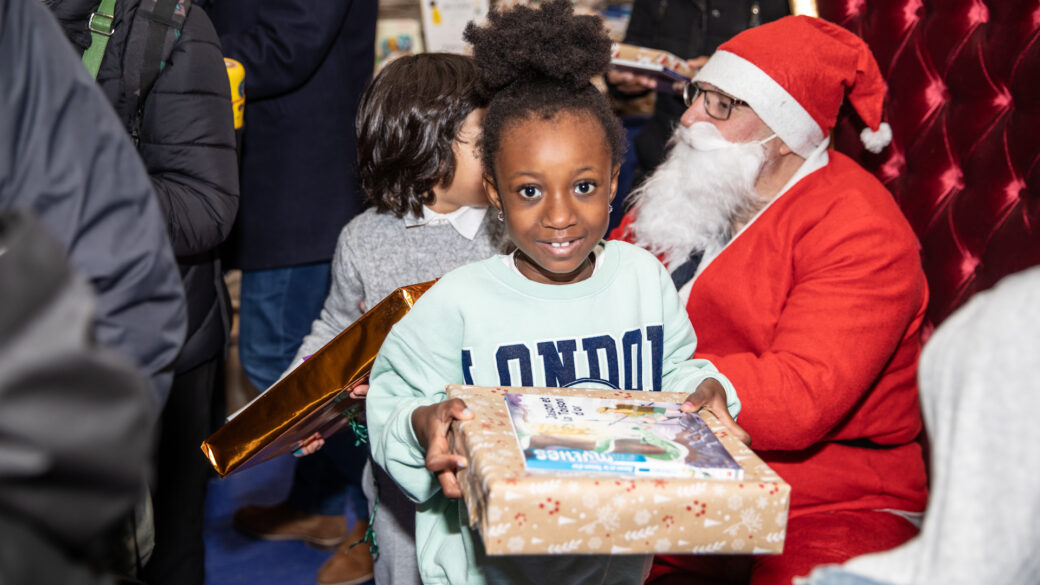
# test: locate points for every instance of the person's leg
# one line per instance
(394, 525)
(812, 540)
(276, 311)
(179, 488)
(831, 538)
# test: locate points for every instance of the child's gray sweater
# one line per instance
(375, 254)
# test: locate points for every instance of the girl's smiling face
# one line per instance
(554, 180)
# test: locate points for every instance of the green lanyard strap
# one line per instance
(100, 25)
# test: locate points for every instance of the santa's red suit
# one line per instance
(814, 312)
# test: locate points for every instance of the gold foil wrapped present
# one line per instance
(314, 397)
(517, 511)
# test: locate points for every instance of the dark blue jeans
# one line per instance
(275, 314)
(277, 309)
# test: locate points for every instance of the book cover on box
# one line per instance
(605, 435)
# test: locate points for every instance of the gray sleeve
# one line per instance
(65, 156)
(342, 305)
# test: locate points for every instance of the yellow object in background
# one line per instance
(237, 77)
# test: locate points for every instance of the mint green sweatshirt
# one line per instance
(486, 324)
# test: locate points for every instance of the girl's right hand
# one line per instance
(432, 425)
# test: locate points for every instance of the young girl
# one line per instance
(566, 309)
(418, 126)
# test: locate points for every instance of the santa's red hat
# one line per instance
(795, 72)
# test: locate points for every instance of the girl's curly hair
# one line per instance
(537, 62)
(406, 126)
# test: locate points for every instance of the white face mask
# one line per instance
(704, 136)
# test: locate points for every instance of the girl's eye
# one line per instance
(530, 191)
(585, 187)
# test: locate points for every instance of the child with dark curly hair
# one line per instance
(565, 309)
(417, 129)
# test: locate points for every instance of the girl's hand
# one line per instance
(432, 425)
(711, 396)
(310, 445)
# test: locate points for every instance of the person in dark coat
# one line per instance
(75, 423)
(307, 64)
(63, 156)
(187, 142)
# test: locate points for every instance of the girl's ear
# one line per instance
(492, 192)
(613, 181)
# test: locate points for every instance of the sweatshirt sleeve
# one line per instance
(682, 372)
(418, 359)
(859, 291)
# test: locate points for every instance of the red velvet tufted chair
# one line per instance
(964, 106)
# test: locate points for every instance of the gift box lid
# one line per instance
(517, 511)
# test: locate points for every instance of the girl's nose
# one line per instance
(559, 211)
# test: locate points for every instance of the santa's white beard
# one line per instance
(690, 200)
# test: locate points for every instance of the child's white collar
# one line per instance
(465, 220)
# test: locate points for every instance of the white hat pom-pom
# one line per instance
(876, 140)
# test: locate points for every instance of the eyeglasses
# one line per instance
(717, 104)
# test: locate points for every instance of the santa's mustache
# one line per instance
(689, 202)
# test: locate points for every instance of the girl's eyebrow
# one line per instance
(538, 175)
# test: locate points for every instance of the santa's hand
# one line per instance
(711, 396)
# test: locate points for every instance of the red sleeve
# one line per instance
(840, 348)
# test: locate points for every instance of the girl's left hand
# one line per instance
(711, 396)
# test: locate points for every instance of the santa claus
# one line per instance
(804, 285)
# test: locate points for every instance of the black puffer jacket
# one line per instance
(187, 142)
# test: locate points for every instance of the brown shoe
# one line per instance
(351, 564)
(283, 522)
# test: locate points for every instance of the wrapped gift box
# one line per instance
(519, 512)
(312, 398)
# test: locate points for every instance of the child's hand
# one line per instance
(710, 395)
(432, 424)
(310, 445)
(360, 391)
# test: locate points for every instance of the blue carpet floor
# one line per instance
(233, 558)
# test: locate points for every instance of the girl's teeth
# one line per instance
(559, 244)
